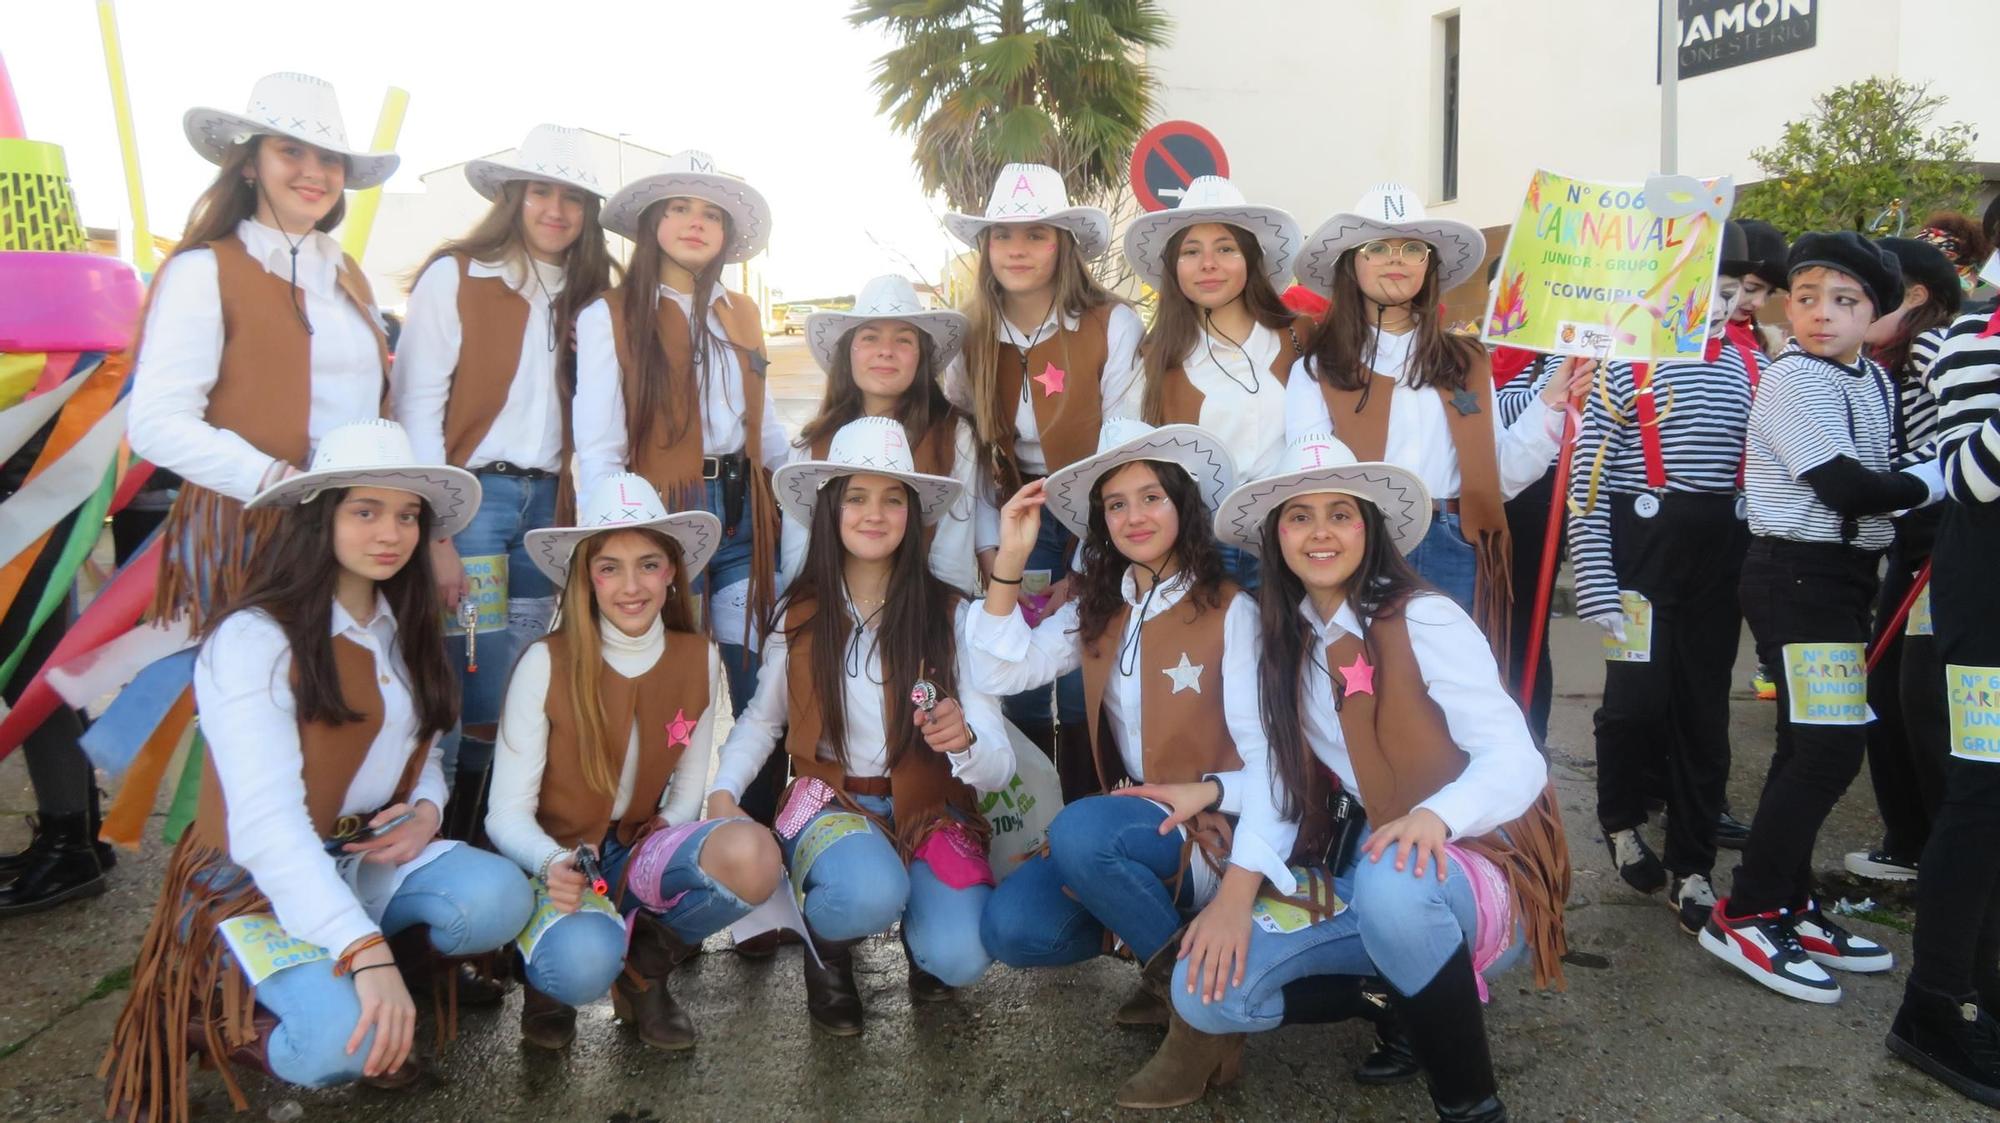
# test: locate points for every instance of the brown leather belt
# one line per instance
(1446, 506)
(876, 786)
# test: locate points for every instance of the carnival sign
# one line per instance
(1615, 270)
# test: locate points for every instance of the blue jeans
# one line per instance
(581, 954)
(1030, 709)
(1445, 559)
(1241, 566)
(1397, 925)
(474, 901)
(1109, 852)
(509, 507)
(858, 886)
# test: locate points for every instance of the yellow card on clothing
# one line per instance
(1637, 646)
(546, 914)
(1829, 683)
(1973, 694)
(485, 586)
(263, 948)
(1281, 917)
(824, 832)
(1919, 623)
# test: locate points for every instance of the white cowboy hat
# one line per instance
(625, 501)
(874, 446)
(299, 106)
(1316, 464)
(1122, 440)
(1027, 194)
(888, 297)
(376, 453)
(1211, 198)
(691, 174)
(1390, 210)
(551, 154)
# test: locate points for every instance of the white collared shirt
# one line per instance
(1242, 401)
(1117, 387)
(987, 766)
(1504, 774)
(528, 429)
(599, 410)
(243, 690)
(1009, 657)
(181, 360)
(971, 524)
(1419, 437)
(522, 753)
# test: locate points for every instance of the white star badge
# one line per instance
(1187, 676)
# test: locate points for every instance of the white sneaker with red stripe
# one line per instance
(1764, 947)
(1830, 945)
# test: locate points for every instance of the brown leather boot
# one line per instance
(399, 1079)
(1150, 1003)
(640, 996)
(1188, 1064)
(832, 999)
(545, 1022)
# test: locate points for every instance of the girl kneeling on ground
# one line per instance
(603, 758)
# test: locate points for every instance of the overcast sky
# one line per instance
(774, 89)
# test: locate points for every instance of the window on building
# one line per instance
(1447, 120)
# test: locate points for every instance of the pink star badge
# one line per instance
(1359, 676)
(680, 731)
(1051, 379)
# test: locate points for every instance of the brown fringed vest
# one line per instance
(492, 319)
(1403, 754)
(921, 786)
(1180, 402)
(1185, 730)
(262, 393)
(1068, 421)
(184, 985)
(666, 701)
(1361, 421)
(674, 467)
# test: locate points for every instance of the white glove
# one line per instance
(1613, 624)
(1931, 472)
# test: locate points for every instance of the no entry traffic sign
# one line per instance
(1170, 156)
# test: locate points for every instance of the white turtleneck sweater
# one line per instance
(523, 747)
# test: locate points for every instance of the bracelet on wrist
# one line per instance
(999, 580)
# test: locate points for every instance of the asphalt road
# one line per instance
(1652, 1029)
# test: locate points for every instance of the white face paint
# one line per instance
(1728, 290)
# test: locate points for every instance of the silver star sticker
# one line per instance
(1187, 676)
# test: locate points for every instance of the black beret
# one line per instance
(1764, 254)
(1925, 264)
(1880, 274)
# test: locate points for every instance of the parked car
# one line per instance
(795, 318)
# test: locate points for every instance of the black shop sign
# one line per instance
(1718, 34)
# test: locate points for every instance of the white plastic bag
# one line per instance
(1021, 812)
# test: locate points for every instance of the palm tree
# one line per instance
(982, 83)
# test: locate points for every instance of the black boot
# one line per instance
(924, 986)
(1950, 1038)
(60, 865)
(831, 996)
(11, 865)
(1447, 1030)
(1075, 763)
(1324, 999)
(1731, 833)
(464, 818)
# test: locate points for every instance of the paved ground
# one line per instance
(1659, 1031)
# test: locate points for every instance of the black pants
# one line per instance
(1527, 525)
(1673, 710)
(58, 770)
(1906, 742)
(1958, 891)
(1800, 592)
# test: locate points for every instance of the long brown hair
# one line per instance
(1101, 585)
(293, 583)
(578, 623)
(669, 395)
(1178, 321)
(920, 407)
(500, 238)
(1076, 292)
(1381, 585)
(1342, 351)
(916, 638)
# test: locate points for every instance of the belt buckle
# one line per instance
(711, 467)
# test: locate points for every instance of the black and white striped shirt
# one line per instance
(1810, 411)
(1704, 413)
(1918, 410)
(1966, 381)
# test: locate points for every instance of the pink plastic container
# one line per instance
(67, 302)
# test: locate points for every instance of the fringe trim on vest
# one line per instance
(1493, 591)
(1534, 854)
(210, 540)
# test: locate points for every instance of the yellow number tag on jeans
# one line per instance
(822, 834)
(1637, 646)
(1280, 916)
(262, 948)
(1974, 697)
(1828, 683)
